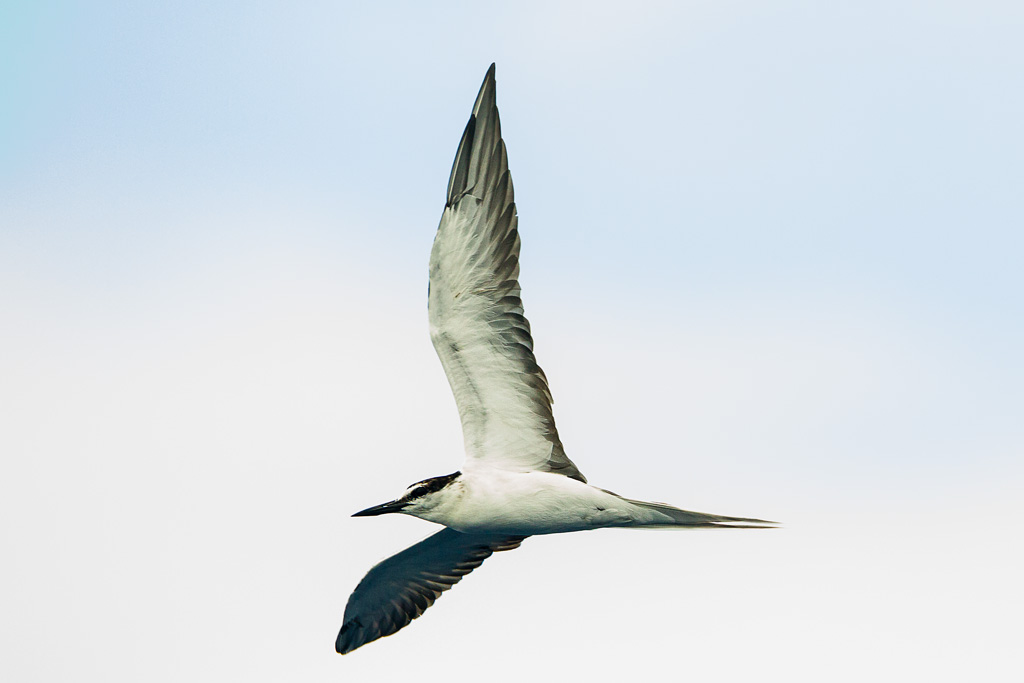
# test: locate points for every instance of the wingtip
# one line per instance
(343, 644)
(485, 113)
(486, 92)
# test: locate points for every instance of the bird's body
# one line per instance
(532, 503)
(517, 480)
(525, 504)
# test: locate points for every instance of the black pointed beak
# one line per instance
(382, 509)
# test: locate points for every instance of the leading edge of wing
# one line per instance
(402, 587)
(477, 322)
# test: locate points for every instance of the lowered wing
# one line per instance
(402, 587)
(476, 316)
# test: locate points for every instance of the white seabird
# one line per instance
(516, 480)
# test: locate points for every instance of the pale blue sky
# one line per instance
(771, 254)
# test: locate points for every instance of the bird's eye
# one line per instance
(417, 492)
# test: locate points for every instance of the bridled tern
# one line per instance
(516, 480)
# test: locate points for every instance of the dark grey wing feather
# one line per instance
(477, 323)
(402, 587)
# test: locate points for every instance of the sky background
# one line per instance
(772, 255)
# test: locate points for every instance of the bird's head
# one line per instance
(419, 498)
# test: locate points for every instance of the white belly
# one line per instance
(529, 503)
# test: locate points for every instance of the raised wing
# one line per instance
(402, 587)
(476, 316)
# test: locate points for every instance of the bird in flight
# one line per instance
(516, 480)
